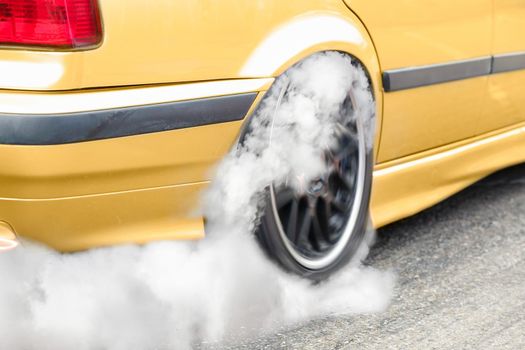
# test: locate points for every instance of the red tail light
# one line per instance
(51, 23)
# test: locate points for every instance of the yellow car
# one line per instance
(112, 113)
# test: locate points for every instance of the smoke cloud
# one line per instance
(177, 295)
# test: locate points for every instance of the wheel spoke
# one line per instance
(338, 205)
(342, 152)
(324, 213)
(291, 228)
(317, 238)
(343, 180)
(346, 182)
(304, 227)
(284, 197)
(348, 166)
(346, 131)
(348, 146)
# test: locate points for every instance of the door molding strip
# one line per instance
(413, 77)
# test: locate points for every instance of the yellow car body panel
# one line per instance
(144, 187)
(405, 186)
(418, 33)
(82, 222)
(506, 93)
(414, 33)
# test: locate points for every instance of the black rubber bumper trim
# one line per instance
(44, 129)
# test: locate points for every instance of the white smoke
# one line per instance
(175, 295)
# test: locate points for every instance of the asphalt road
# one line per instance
(461, 279)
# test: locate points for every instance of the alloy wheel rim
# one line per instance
(316, 224)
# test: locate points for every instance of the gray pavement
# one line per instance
(461, 279)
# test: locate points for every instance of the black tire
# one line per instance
(321, 249)
(271, 241)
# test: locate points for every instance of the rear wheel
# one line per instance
(314, 228)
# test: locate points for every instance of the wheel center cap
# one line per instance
(317, 187)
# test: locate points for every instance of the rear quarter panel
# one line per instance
(178, 41)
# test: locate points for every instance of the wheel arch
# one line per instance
(305, 35)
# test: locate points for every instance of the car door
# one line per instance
(506, 89)
(435, 58)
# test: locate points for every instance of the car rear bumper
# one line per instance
(98, 167)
